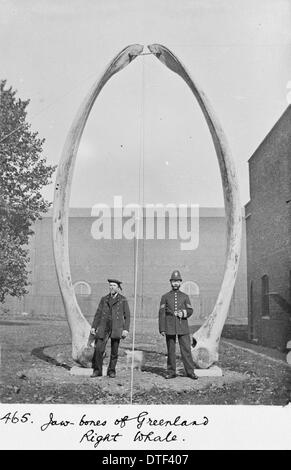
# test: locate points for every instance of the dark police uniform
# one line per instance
(111, 318)
(173, 326)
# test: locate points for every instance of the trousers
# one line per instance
(100, 345)
(185, 348)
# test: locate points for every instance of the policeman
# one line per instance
(175, 308)
(111, 320)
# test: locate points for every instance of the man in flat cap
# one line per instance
(111, 320)
(175, 308)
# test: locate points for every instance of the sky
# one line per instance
(146, 139)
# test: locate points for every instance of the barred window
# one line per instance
(82, 288)
(190, 288)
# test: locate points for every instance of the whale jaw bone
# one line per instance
(82, 350)
(205, 341)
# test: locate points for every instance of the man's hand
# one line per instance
(163, 333)
(124, 334)
(93, 331)
(182, 313)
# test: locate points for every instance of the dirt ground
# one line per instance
(36, 362)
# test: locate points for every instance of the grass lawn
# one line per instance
(36, 362)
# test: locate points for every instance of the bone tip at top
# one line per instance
(134, 50)
(156, 49)
(167, 58)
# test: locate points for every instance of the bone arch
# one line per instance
(206, 339)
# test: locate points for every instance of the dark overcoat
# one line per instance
(120, 315)
(168, 322)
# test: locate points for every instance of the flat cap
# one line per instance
(115, 280)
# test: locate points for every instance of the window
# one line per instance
(190, 288)
(82, 288)
(265, 296)
(251, 310)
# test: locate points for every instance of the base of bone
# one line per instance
(204, 354)
(84, 356)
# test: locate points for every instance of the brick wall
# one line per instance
(268, 233)
(93, 261)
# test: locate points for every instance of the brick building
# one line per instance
(92, 261)
(268, 228)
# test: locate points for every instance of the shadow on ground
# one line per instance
(34, 373)
(41, 354)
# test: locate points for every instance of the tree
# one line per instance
(23, 173)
